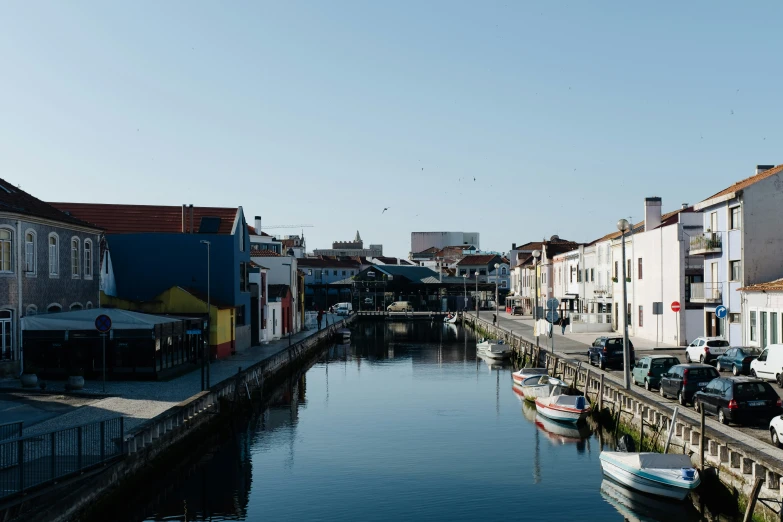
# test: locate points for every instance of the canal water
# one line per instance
(405, 423)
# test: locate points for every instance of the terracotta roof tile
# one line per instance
(479, 259)
(748, 182)
(16, 200)
(770, 286)
(135, 219)
(256, 252)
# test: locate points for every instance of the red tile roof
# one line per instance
(770, 286)
(748, 182)
(480, 259)
(16, 200)
(256, 252)
(135, 219)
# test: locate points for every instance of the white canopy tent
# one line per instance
(85, 320)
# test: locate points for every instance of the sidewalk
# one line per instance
(568, 343)
(139, 401)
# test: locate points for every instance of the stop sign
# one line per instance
(676, 306)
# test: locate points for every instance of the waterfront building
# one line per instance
(421, 241)
(49, 262)
(741, 245)
(762, 313)
(353, 248)
(319, 275)
(151, 248)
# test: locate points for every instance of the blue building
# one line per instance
(149, 249)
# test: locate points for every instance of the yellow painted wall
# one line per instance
(175, 300)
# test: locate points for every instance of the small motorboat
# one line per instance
(541, 386)
(494, 349)
(524, 373)
(563, 408)
(451, 318)
(663, 475)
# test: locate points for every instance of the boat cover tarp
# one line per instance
(85, 320)
(652, 460)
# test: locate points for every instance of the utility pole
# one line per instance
(209, 322)
(623, 225)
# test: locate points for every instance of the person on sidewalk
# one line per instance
(563, 323)
(320, 317)
(494, 319)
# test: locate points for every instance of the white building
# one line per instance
(260, 240)
(281, 270)
(762, 313)
(742, 245)
(421, 241)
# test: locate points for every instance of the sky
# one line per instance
(515, 119)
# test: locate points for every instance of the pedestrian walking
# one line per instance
(494, 319)
(565, 321)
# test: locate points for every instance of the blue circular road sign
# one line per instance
(721, 312)
(103, 323)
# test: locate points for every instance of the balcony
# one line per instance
(706, 292)
(707, 243)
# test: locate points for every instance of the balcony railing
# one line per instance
(706, 292)
(707, 243)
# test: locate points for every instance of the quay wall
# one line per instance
(734, 458)
(167, 433)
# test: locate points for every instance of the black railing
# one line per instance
(32, 461)
(10, 430)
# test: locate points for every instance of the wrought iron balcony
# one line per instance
(707, 243)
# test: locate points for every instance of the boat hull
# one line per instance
(646, 482)
(560, 414)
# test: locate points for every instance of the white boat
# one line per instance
(563, 408)
(664, 475)
(451, 319)
(524, 373)
(494, 349)
(540, 386)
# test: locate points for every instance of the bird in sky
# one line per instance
(385, 209)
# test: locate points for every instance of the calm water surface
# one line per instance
(405, 423)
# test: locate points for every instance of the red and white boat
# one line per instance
(524, 373)
(563, 408)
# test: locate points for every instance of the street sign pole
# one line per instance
(676, 310)
(103, 325)
(103, 336)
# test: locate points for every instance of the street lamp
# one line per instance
(536, 255)
(497, 272)
(623, 226)
(465, 289)
(477, 294)
(209, 323)
(291, 290)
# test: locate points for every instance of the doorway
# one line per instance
(713, 327)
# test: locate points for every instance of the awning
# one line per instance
(85, 320)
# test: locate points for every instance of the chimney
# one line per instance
(684, 206)
(513, 246)
(184, 217)
(652, 213)
(762, 168)
(258, 225)
(191, 218)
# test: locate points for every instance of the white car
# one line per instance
(706, 349)
(769, 365)
(776, 430)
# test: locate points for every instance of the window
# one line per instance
(763, 329)
(31, 310)
(752, 326)
(29, 252)
(503, 284)
(734, 318)
(334, 272)
(343, 272)
(735, 270)
(76, 306)
(616, 272)
(75, 257)
(592, 275)
(87, 259)
(639, 270)
(628, 269)
(735, 219)
(54, 260)
(6, 250)
(628, 314)
(53, 308)
(5, 335)
(773, 328)
(713, 222)
(641, 316)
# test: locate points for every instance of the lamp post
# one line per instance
(291, 289)
(477, 294)
(536, 255)
(465, 289)
(205, 357)
(497, 311)
(623, 227)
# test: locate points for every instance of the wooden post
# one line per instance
(701, 441)
(754, 495)
(587, 385)
(601, 394)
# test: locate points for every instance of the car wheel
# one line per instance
(696, 406)
(647, 385)
(687, 356)
(701, 359)
(773, 433)
(722, 417)
(718, 366)
(734, 370)
(601, 364)
(660, 390)
(753, 373)
(681, 399)
(779, 378)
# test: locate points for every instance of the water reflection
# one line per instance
(635, 506)
(561, 434)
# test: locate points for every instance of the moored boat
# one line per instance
(636, 506)
(563, 408)
(540, 386)
(494, 349)
(524, 373)
(451, 319)
(664, 475)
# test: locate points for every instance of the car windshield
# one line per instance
(702, 372)
(664, 363)
(749, 351)
(717, 344)
(752, 390)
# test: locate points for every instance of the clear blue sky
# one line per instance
(567, 114)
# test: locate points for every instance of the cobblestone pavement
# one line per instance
(139, 401)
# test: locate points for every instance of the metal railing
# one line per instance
(706, 292)
(11, 430)
(707, 242)
(39, 459)
(594, 318)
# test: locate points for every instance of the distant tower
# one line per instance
(358, 237)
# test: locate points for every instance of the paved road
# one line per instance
(575, 346)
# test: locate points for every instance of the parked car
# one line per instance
(706, 349)
(738, 399)
(608, 352)
(516, 310)
(343, 308)
(684, 380)
(400, 306)
(737, 359)
(776, 429)
(648, 369)
(769, 364)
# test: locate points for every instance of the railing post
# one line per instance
(79, 448)
(20, 460)
(103, 440)
(54, 455)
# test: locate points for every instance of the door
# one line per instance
(5, 335)
(713, 223)
(274, 322)
(709, 396)
(763, 329)
(761, 363)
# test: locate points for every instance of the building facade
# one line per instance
(421, 241)
(49, 262)
(353, 248)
